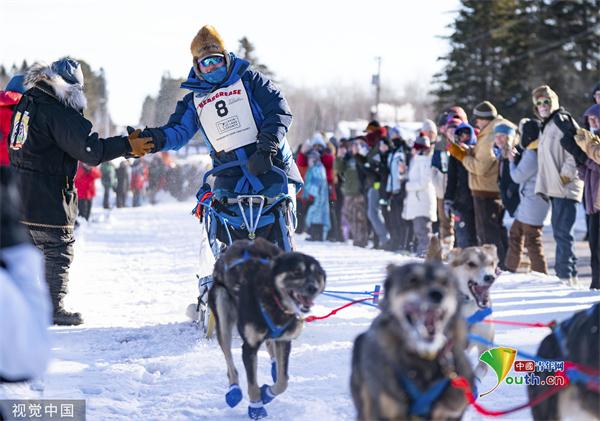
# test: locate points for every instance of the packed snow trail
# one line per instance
(137, 357)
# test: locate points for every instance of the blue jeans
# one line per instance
(375, 216)
(564, 212)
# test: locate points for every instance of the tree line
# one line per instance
(502, 49)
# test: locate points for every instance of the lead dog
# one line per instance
(475, 270)
(578, 340)
(263, 291)
(402, 366)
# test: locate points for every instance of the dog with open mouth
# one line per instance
(263, 291)
(402, 366)
(475, 269)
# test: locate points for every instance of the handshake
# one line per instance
(140, 146)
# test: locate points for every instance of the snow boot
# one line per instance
(256, 410)
(63, 317)
(234, 395)
(266, 395)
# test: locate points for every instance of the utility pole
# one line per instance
(377, 82)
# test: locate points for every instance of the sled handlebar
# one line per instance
(242, 163)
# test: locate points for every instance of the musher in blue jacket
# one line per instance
(239, 113)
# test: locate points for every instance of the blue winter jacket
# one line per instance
(269, 109)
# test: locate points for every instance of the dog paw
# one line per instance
(274, 371)
(256, 410)
(265, 394)
(234, 395)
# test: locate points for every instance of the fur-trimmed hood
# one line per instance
(71, 95)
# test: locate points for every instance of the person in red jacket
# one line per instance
(85, 183)
(9, 97)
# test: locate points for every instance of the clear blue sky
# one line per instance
(307, 43)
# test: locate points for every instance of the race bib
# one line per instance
(226, 117)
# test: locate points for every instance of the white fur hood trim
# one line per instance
(70, 95)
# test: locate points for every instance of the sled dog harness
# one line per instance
(559, 334)
(421, 402)
(274, 330)
(478, 316)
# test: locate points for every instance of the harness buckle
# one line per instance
(251, 221)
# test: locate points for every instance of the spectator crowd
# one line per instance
(458, 177)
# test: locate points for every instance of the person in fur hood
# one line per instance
(558, 179)
(48, 136)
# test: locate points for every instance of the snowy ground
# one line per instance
(138, 358)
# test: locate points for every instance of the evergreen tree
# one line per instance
(246, 50)
(502, 49)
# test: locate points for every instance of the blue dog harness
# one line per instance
(421, 402)
(274, 330)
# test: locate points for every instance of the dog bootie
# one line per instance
(265, 394)
(256, 410)
(273, 370)
(234, 395)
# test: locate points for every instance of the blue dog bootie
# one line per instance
(233, 395)
(273, 370)
(256, 410)
(266, 395)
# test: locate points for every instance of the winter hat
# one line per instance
(69, 70)
(317, 139)
(594, 110)
(422, 142)
(207, 42)
(544, 91)
(504, 129)
(485, 110)
(16, 84)
(429, 126)
(372, 126)
(394, 132)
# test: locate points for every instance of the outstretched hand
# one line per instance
(140, 146)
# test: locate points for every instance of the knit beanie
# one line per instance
(504, 129)
(485, 111)
(594, 110)
(429, 126)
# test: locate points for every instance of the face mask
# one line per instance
(216, 76)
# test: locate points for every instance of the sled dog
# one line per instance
(576, 340)
(402, 366)
(263, 291)
(475, 270)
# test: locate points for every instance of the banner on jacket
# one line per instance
(226, 117)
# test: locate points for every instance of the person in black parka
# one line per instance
(49, 135)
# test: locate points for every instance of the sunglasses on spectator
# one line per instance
(205, 62)
(543, 102)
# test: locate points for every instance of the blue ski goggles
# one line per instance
(208, 61)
